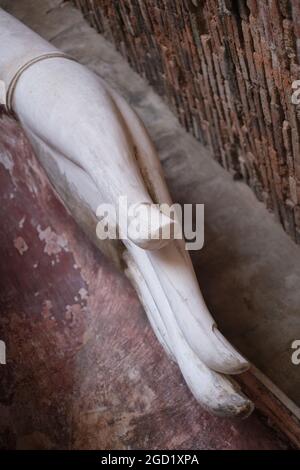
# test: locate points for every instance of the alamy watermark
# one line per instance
(2, 352)
(295, 358)
(144, 221)
(296, 92)
(296, 354)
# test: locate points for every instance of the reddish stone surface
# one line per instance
(84, 369)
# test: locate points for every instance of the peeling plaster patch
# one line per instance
(73, 310)
(54, 243)
(134, 374)
(47, 307)
(83, 293)
(20, 245)
(6, 161)
(21, 222)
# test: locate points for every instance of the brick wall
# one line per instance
(226, 69)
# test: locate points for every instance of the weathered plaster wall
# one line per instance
(226, 69)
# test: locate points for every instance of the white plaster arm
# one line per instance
(95, 149)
